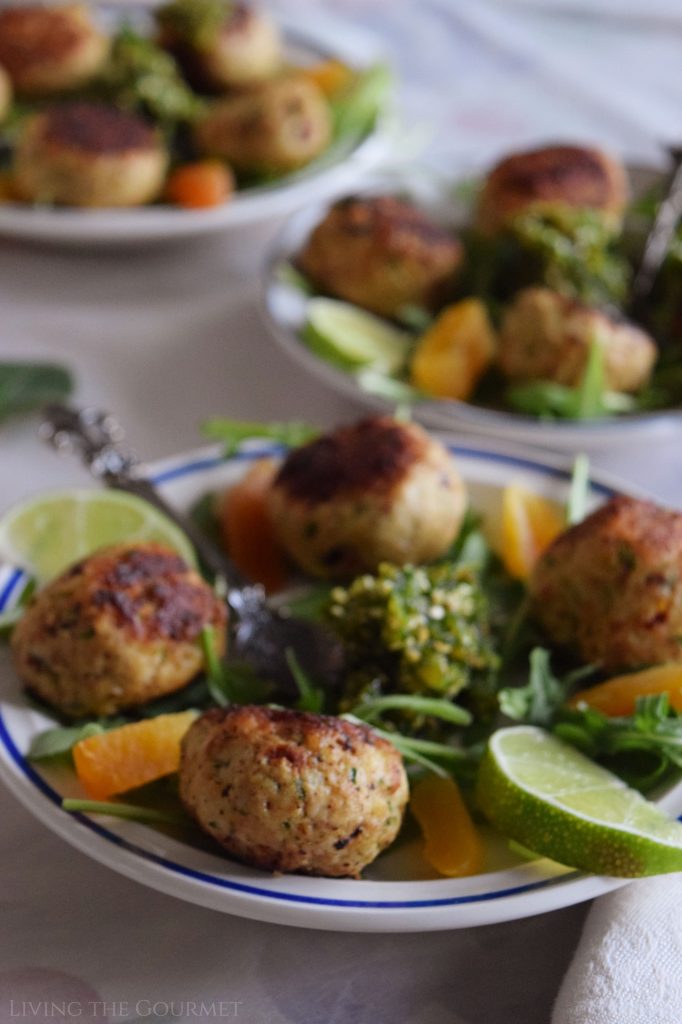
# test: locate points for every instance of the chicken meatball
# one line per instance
(116, 630)
(292, 791)
(88, 154)
(273, 128)
(610, 588)
(548, 336)
(383, 254)
(567, 176)
(221, 45)
(46, 50)
(377, 491)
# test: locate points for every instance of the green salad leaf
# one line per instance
(27, 386)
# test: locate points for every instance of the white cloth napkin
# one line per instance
(627, 968)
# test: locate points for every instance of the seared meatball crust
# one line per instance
(382, 253)
(548, 336)
(293, 791)
(568, 176)
(376, 491)
(116, 630)
(46, 50)
(245, 50)
(272, 128)
(89, 154)
(610, 588)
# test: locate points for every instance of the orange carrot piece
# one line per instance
(200, 185)
(247, 530)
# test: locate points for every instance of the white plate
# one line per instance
(285, 312)
(397, 893)
(343, 164)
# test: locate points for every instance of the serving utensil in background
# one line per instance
(260, 636)
(658, 239)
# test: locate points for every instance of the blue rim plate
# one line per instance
(397, 893)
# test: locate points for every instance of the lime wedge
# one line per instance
(45, 535)
(548, 796)
(352, 338)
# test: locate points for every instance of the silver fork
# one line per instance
(260, 636)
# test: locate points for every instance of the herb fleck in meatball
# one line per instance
(89, 154)
(116, 630)
(221, 45)
(573, 176)
(272, 128)
(547, 336)
(292, 791)
(383, 254)
(610, 588)
(376, 491)
(46, 50)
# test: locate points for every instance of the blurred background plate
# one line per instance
(450, 203)
(342, 164)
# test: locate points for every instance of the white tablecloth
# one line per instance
(167, 336)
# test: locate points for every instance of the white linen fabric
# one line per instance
(628, 965)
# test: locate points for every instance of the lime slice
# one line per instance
(548, 796)
(352, 338)
(45, 535)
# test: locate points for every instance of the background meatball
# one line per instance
(610, 588)
(548, 336)
(5, 94)
(572, 176)
(274, 128)
(383, 254)
(242, 50)
(50, 49)
(116, 630)
(88, 154)
(377, 491)
(292, 791)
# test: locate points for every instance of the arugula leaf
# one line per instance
(371, 709)
(131, 812)
(27, 386)
(576, 506)
(589, 394)
(539, 701)
(61, 739)
(230, 682)
(233, 432)
(311, 697)
(642, 748)
(355, 109)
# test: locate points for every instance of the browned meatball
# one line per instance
(376, 491)
(610, 588)
(240, 48)
(50, 49)
(547, 336)
(89, 154)
(293, 791)
(573, 176)
(116, 630)
(273, 128)
(381, 253)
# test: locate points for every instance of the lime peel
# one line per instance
(546, 795)
(47, 533)
(352, 338)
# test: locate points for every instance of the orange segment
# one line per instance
(247, 530)
(132, 755)
(200, 185)
(453, 354)
(452, 844)
(618, 696)
(529, 525)
(331, 76)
